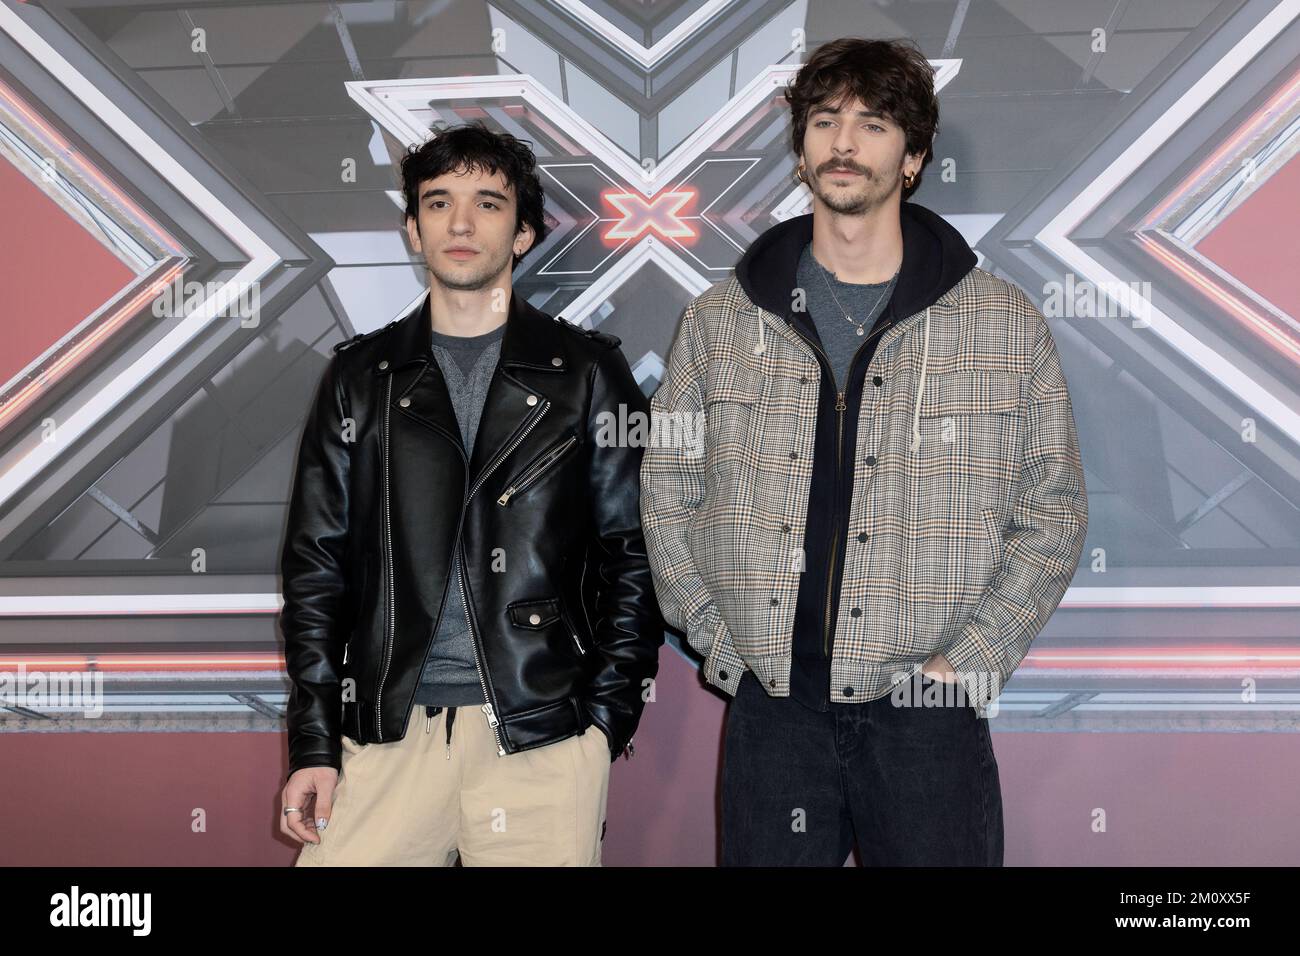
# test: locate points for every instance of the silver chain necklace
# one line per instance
(862, 326)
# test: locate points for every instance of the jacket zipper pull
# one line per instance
(629, 751)
(839, 402)
(494, 723)
(505, 496)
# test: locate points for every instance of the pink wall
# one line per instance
(1171, 799)
(44, 249)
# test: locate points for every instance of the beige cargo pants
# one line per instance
(422, 800)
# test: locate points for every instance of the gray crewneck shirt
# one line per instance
(864, 302)
(450, 675)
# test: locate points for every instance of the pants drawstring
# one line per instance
(430, 712)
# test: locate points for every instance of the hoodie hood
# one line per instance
(935, 258)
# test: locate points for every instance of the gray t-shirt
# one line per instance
(450, 676)
(862, 301)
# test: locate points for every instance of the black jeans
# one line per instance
(916, 786)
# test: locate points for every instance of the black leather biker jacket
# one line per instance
(558, 589)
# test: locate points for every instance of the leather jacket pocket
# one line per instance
(573, 630)
(530, 473)
(541, 614)
(534, 615)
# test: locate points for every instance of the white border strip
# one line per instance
(136, 605)
(645, 57)
(92, 605)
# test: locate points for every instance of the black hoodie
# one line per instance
(935, 258)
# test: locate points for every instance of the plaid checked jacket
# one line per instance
(968, 512)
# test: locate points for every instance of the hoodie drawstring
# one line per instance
(920, 386)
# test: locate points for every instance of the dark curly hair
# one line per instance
(892, 76)
(472, 146)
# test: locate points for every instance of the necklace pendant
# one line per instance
(862, 330)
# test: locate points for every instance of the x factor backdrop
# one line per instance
(200, 199)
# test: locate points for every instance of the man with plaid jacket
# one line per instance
(888, 505)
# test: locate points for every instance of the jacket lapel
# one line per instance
(419, 389)
(513, 402)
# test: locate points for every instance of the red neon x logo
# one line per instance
(660, 213)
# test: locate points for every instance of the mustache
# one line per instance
(830, 167)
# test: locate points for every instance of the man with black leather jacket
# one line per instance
(464, 537)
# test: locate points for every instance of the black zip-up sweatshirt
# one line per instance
(935, 258)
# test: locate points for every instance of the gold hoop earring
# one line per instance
(911, 178)
(799, 175)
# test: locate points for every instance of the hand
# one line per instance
(311, 789)
(938, 668)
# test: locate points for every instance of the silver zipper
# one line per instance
(488, 710)
(545, 407)
(572, 630)
(388, 541)
(532, 474)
